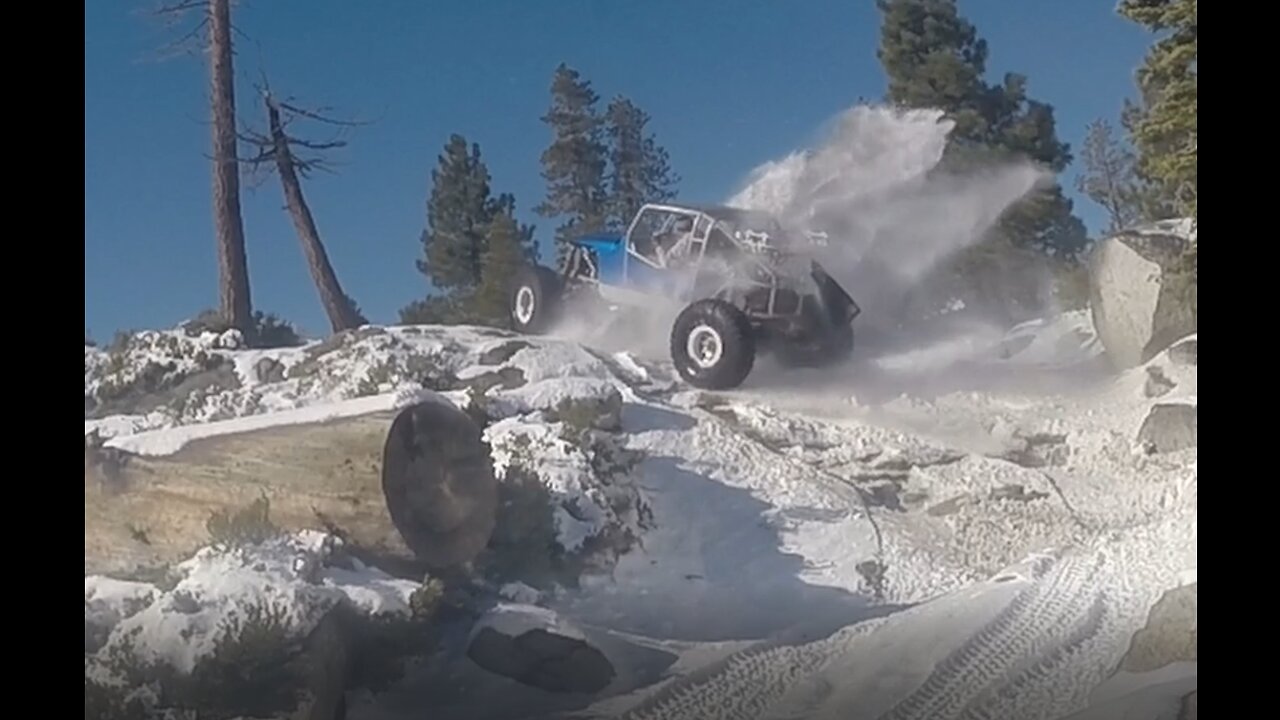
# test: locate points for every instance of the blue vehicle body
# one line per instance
(611, 255)
(617, 269)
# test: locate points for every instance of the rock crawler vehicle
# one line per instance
(740, 284)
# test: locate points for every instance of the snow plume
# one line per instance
(869, 186)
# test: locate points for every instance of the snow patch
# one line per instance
(171, 440)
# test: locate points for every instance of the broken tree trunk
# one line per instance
(342, 315)
(409, 491)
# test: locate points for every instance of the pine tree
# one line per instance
(505, 204)
(460, 215)
(935, 59)
(640, 168)
(1164, 126)
(458, 212)
(574, 164)
(1155, 200)
(504, 254)
(1109, 179)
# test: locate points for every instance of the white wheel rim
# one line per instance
(524, 305)
(704, 346)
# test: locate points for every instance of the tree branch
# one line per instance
(179, 7)
(318, 115)
(310, 145)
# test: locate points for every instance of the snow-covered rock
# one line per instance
(1170, 635)
(283, 604)
(1138, 306)
(287, 584)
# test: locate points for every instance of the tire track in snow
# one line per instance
(1005, 669)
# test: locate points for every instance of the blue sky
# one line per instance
(729, 83)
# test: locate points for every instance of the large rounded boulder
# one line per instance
(440, 488)
(1141, 302)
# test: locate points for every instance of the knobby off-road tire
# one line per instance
(712, 345)
(535, 299)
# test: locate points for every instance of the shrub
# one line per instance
(524, 545)
(268, 331)
(109, 702)
(249, 525)
(435, 310)
(248, 671)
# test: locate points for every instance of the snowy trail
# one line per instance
(743, 539)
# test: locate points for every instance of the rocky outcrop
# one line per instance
(536, 647)
(1169, 427)
(1140, 303)
(323, 669)
(1190, 705)
(1169, 635)
(1185, 352)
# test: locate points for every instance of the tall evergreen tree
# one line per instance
(935, 59)
(505, 204)
(1164, 126)
(640, 168)
(458, 212)
(1156, 200)
(461, 213)
(1109, 179)
(504, 254)
(574, 164)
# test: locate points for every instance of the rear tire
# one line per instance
(712, 345)
(535, 299)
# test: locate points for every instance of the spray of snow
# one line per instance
(891, 215)
(872, 186)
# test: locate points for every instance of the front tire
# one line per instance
(535, 299)
(712, 345)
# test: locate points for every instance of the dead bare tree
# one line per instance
(215, 29)
(276, 150)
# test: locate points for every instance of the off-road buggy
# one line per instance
(743, 282)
